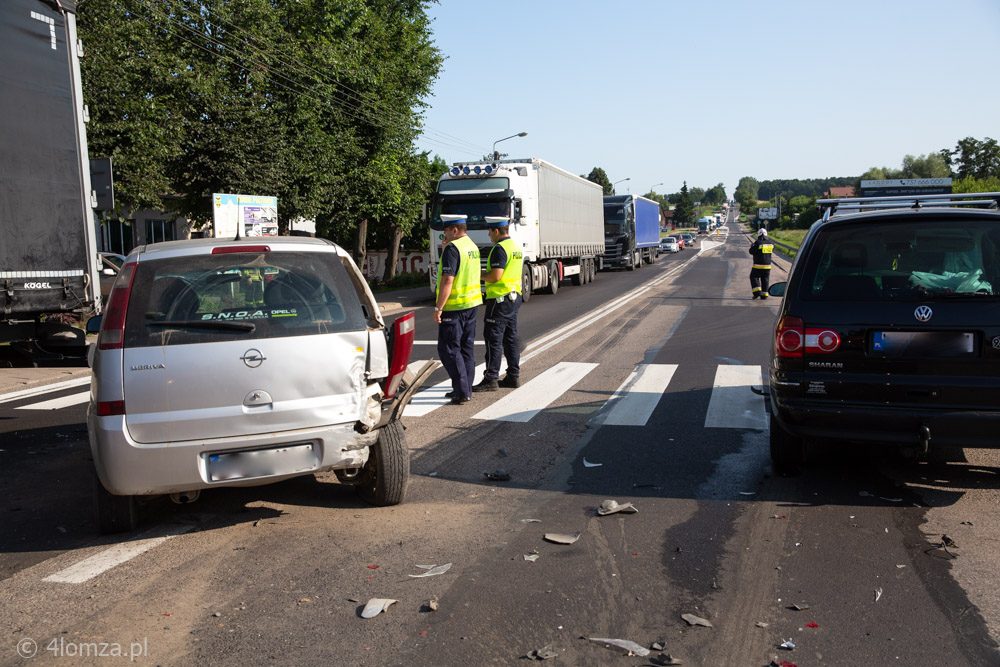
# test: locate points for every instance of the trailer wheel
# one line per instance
(585, 267)
(553, 277)
(525, 282)
(593, 270)
(577, 279)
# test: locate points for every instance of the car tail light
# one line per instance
(789, 337)
(821, 341)
(113, 324)
(231, 249)
(402, 346)
(110, 408)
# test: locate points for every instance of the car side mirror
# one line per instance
(777, 289)
(108, 272)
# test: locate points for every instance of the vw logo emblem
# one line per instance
(923, 313)
(253, 358)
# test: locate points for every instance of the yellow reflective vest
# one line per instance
(510, 279)
(465, 291)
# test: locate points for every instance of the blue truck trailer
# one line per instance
(631, 232)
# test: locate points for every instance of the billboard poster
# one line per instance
(247, 215)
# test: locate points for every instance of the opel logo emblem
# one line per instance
(923, 313)
(253, 358)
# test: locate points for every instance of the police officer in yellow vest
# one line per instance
(503, 299)
(760, 274)
(458, 295)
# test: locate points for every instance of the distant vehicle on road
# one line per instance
(110, 265)
(206, 375)
(669, 244)
(678, 239)
(689, 240)
(631, 235)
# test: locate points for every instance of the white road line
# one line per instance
(434, 342)
(428, 400)
(733, 404)
(537, 394)
(57, 403)
(26, 393)
(635, 400)
(103, 561)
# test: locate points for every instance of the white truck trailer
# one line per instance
(557, 218)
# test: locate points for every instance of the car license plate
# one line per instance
(261, 462)
(923, 344)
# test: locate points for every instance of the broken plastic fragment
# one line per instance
(498, 475)
(372, 567)
(434, 570)
(430, 605)
(531, 558)
(562, 538)
(544, 653)
(376, 606)
(623, 644)
(531, 520)
(658, 646)
(696, 620)
(878, 594)
(801, 606)
(588, 464)
(612, 506)
(787, 645)
(812, 625)
(761, 624)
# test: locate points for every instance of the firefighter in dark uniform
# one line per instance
(502, 279)
(760, 274)
(458, 296)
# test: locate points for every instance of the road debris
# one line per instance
(787, 644)
(498, 475)
(433, 570)
(878, 594)
(376, 606)
(429, 605)
(761, 624)
(658, 646)
(891, 500)
(531, 520)
(373, 567)
(812, 625)
(900, 567)
(531, 558)
(696, 620)
(665, 659)
(588, 464)
(562, 538)
(799, 606)
(748, 493)
(503, 453)
(612, 507)
(624, 644)
(783, 663)
(544, 653)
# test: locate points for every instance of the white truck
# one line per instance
(48, 251)
(557, 218)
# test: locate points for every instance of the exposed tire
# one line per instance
(593, 270)
(578, 279)
(115, 514)
(553, 278)
(385, 476)
(786, 450)
(525, 283)
(631, 262)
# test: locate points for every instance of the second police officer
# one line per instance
(502, 279)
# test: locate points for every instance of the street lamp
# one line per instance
(653, 186)
(613, 191)
(496, 156)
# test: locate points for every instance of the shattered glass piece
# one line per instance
(748, 493)
(624, 644)
(440, 569)
(612, 507)
(787, 644)
(531, 520)
(562, 538)
(878, 594)
(588, 464)
(696, 620)
(800, 606)
(376, 606)
(531, 558)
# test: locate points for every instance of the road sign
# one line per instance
(908, 183)
(768, 213)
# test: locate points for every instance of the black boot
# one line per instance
(510, 382)
(485, 385)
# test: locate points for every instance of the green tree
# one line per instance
(746, 194)
(684, 209)
(714, 196)
(932, 165)
(973, 184)
(696, 194)
(975, 158)
(599, 176)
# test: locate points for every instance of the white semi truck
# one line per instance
(557, 218)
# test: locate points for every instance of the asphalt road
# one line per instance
(637, 389)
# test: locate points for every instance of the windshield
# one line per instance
(909, 260)
(476, 207)
(614, 214)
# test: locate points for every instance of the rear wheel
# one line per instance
(525, 283)
(593, 270)
(387, 472)
(115, 514)
(580, 278)
(786, 450)
(553, 277)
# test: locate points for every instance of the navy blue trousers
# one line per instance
(456, 348)
(500, 334)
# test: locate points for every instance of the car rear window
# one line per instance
(903, 259)
(242, 296)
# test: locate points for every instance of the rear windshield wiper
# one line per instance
(248, 327)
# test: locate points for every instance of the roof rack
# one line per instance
(854, 204)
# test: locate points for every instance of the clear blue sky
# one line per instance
(709, 91)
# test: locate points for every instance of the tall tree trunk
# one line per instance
(393, 254)
(359, 242)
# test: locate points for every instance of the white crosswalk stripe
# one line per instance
(635, 400)
(537, 394)
(57, 403)
(733, 404)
